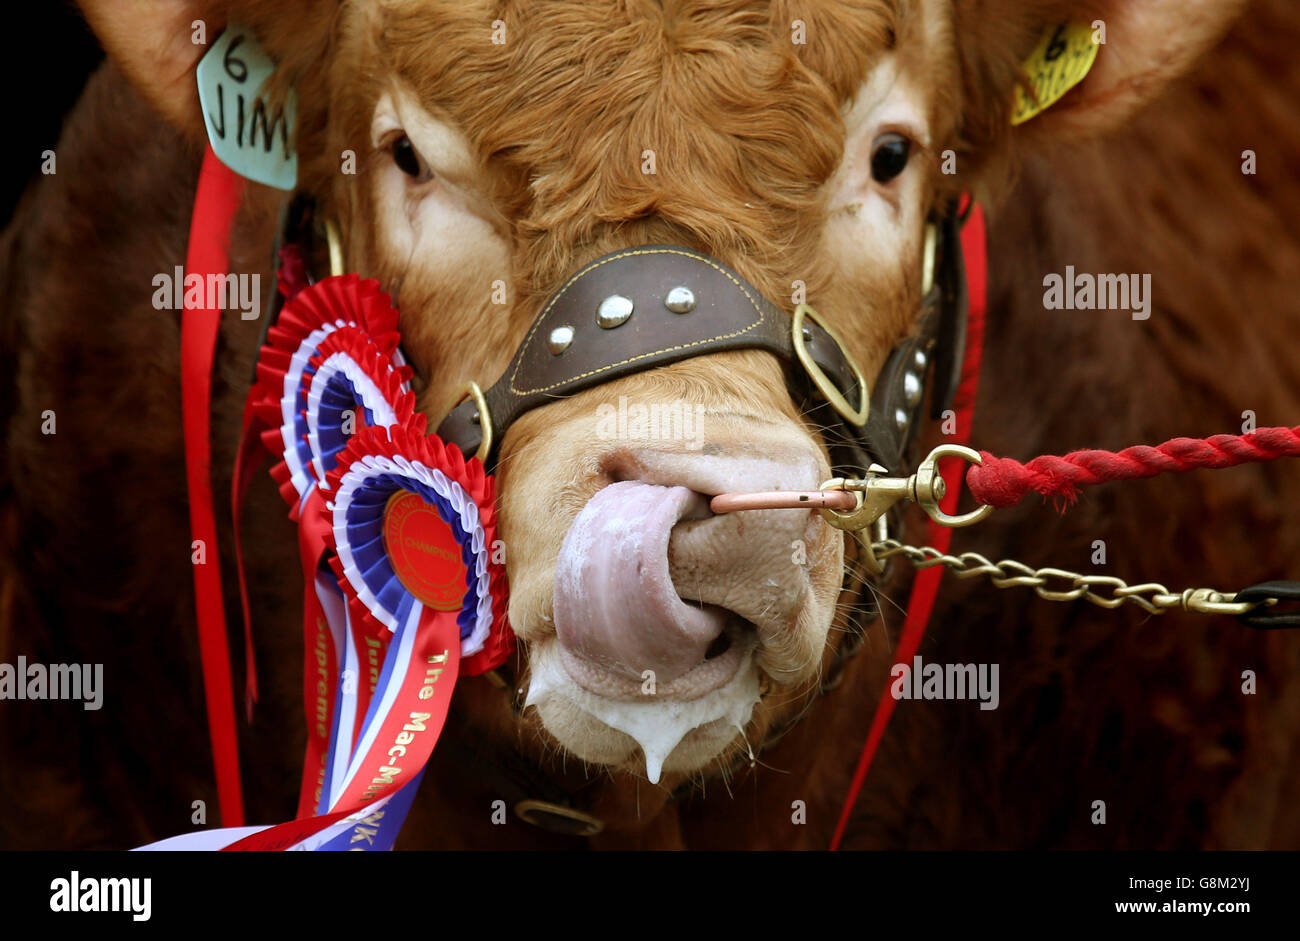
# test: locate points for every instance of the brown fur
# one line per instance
(1145, 715)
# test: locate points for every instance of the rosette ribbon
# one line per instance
(404, 588)
(330, 366)
(411, 526)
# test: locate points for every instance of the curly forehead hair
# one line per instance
(738, 104)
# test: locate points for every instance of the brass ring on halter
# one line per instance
(336, 247)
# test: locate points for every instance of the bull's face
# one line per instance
(499, 147)
(489, 171)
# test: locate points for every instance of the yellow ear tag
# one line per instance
(1060, 62)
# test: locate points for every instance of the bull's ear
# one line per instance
(1148, 44)
(157, 44)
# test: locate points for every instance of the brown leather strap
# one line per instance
(727, 313)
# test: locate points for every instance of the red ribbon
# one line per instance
(926, 585)
(216, 201)
(404, 741)
(251, 456)
(313, 542)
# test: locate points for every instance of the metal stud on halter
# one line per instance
(613, 311)
(680, 300)
(560, 339)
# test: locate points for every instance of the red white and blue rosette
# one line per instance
(330, 364)
(413, 521)
(353, 385)
(404, 581)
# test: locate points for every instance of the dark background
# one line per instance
(52, 53)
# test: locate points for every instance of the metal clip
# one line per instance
(930, 487)
(880, 532)
(558, 818)
(877, 493)
(336, 247)
(1209, 601)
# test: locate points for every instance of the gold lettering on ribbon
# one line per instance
(366, 829)
(322, 708)
(388, 772)
(430, 549)
(372, 659)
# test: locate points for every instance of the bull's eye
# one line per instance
(409, 161)
(889, 157)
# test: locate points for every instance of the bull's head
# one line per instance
(499, 147)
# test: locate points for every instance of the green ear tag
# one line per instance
(1060, 62)
(246, 134)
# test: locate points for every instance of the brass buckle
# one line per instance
(471, 390)
(587, 824)
(855, 416)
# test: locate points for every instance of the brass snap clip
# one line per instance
(930, 487)
(876, 493)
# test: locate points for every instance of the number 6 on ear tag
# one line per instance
(248, 134)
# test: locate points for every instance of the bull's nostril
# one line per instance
(695, 510)
(721, 644)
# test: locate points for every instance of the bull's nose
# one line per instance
(615, 602)
(649, 580)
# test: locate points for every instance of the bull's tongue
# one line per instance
(615, 603)
(616, 607)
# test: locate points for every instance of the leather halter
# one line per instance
(576, 343)
(651, 326)
(728, 313)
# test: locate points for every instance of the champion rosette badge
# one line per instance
(414, 526)
(423, 551)
(404, 584)
(330, 367)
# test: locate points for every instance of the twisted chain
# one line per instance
(1054, 584)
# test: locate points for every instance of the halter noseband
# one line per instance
(652, 305)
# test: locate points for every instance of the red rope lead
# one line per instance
(1003, 482)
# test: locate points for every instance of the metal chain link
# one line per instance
(1055, 584)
